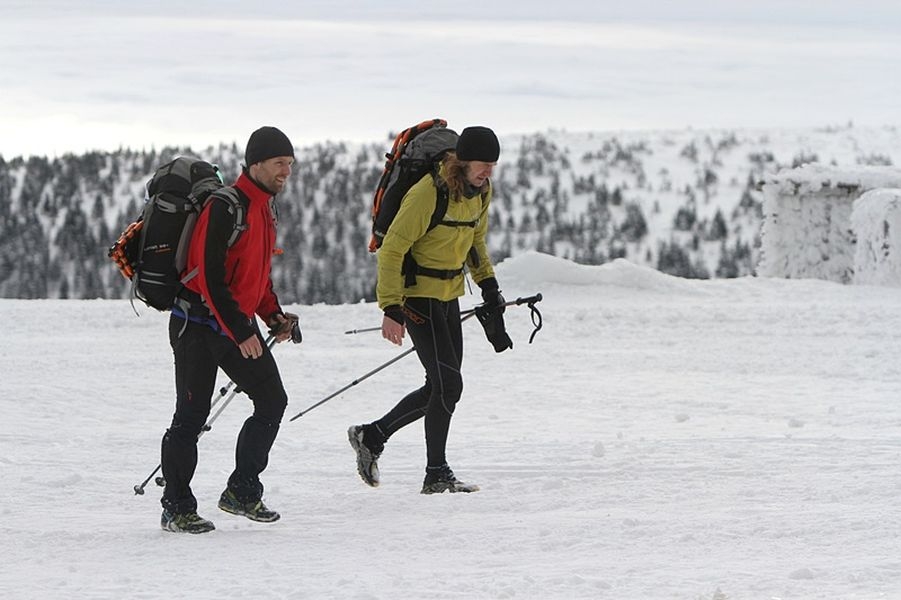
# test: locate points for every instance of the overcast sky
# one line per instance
(100, 74)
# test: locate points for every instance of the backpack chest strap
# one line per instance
(472, 224)
(411, 269)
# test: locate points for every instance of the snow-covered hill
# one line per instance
(661, 438)
(683, 202)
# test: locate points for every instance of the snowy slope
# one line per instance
(661, 438)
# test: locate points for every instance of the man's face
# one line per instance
(477, 172)
(272, 173)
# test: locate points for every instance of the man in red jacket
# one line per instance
(232, 287)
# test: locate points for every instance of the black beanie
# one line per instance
(266, 143)
(478, 143)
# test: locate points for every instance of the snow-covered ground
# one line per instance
(661, 438)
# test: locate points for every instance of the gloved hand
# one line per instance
(491, 295)
(285, 326)
(495, 329)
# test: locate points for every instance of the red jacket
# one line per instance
(235, 281)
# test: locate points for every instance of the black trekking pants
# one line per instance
(437, 334)
(199, 352)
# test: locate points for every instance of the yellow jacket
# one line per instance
(444, 247)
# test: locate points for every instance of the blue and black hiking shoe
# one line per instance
(185, 523)
(254, 510)
(442, 479)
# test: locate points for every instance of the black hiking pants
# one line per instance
(437, 334)
(199, 352)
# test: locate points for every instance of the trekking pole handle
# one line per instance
(530, 300)
(525, 300)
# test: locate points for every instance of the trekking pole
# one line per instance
(466, 314)
(530, 300)
(354, 382)
(364, 330)
(363, 377)
(139, 488)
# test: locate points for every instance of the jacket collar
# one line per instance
(253, 190)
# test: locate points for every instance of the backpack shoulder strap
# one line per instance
(231, 198)
(443, 197)
(441, 207)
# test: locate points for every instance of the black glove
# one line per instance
(395, 313)
(491, 295)
(296, 335)
(492, 321)
(283, 324)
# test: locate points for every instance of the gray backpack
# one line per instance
(152, 251)
(417, 151)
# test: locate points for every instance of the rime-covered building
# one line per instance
(833, 223)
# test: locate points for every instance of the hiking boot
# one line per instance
(442, 479)
(185, 523)
(254, 510)
(367, 456)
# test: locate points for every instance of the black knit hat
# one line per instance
(478, 143)
(266, 143)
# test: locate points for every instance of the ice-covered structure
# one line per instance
(876, 221)
(832, 223)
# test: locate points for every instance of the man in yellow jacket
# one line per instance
(420, 278)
